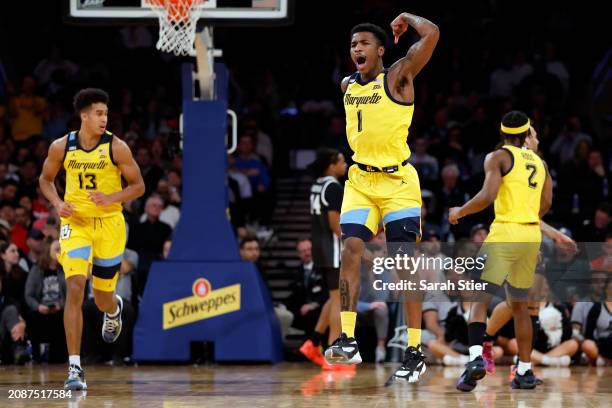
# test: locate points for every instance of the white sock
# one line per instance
(449, 360)
(115, 313)
(564, 361)
(546, 360)
(475, 351)
(523, 367)
(74, 360)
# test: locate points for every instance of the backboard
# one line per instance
(215, 12)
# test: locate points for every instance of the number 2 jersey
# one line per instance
(89, 171)
(518, 199)
(376, 124)
(325, 195)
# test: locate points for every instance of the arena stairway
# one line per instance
(290, 222)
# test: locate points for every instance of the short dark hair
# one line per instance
(9, 182)
(378, 32)
(29, 159)
(247, 239)
(325, 157)
(246, 134)
(514, 119)
(302, 239)
(88, 96)
(177, 171)
(477, 228)
(605, 207)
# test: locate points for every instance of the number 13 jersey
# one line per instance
(518, 199)
(376, 124)
(90, 171)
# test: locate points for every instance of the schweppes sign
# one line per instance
(204, 304)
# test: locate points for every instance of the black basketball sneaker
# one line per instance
(526, 381)
(474, 370)
(343, 351)
(413, 365)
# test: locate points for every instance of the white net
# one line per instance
(177, 24)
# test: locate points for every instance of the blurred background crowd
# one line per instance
(493, 56)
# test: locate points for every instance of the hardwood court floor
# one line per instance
(300, 385)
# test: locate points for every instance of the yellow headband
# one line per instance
(516, 130)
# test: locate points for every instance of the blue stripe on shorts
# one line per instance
(108, 261)
(82, 253)
(358, 216)
(401, 214)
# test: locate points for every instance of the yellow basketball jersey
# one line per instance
(376, 124)
(88, 171)
(518, 199)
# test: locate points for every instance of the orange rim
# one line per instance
(176, 10)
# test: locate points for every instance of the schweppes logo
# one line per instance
(204, 304)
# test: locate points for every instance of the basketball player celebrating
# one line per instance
(93, 232)
(325, 205)
(518, 183)
(379, 104)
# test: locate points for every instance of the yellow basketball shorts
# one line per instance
(96, 244)
(511, 255)
(394, 198)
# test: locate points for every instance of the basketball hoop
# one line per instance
(177, 24)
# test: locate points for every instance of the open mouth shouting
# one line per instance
(360, 61)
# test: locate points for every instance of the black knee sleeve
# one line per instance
(535, 328)
(403, 230)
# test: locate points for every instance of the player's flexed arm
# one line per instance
(52, 165)
(494, 164)
(129, 170)
(402, 73)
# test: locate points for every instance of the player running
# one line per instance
(93, 232)
(518, 182)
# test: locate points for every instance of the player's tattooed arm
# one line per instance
(345, 297)
(420, 52)
(129, 170)
(52, 165)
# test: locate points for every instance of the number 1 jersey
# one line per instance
(376, 123)
(89, 171)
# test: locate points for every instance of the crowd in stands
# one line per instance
(292, 101)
